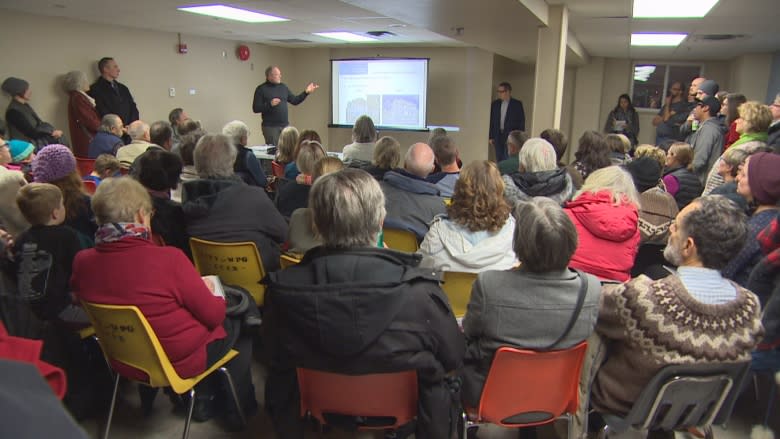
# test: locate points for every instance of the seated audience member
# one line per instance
(728, 167)
(55, 164)
(188, 319)
(606, 214)
(529, 307)
(46, 289)
(679, 179)
(220, 207)
(696, 304)
(106, 166)
(302, 235)
(752, 125)
(161, 134)
(363, 139)
(592, 154)
(188, 126)
(759, 182)
(295, 194)
(558, 140)
(618, 148)
(285, 150)
(23, 122)
(141, 141)
(765, 283)
(108, 139)
(83, 119)
(438, 131)
(409, 199)
(773, 133)
(186, 152)
(623, 119)
(291, 169)
(159, 172)
(654, 152)
(514, 142)
(22, 154)
(246, 166)
(176, 118)
(11, 219)
(445, 153)
(387, 156)
(729, 108)
(538, 175)
(350, 307)
(476, 234)
(657, 207)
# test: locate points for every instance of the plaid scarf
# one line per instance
(113, 232)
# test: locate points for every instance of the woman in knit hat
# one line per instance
(55, 164)
(759, 182)
(23, 122)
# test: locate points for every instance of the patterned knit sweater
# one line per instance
(649, 324)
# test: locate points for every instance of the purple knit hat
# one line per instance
(764, 178)
(52, 163)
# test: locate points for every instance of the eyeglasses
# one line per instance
(501, 90)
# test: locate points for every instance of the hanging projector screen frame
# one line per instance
(401, 103)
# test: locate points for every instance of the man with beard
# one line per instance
(671, 116)
(690, 317)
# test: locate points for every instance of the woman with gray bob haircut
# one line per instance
(83, 119)
(530, 306)
(214, 156)
(538, 174)
(348, 208)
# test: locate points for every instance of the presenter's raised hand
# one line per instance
(275, 102)
(311, 87)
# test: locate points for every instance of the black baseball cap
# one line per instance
(710, 101)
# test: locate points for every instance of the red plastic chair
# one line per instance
(528, 388)
(277, 169)
(90, 186)
(391, 395)
(85, 166)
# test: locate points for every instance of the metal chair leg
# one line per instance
(234, 394)
(570, 425)
(770, 403)
(189, 414)
(111, 408)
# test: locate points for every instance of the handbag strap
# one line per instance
(577, 308)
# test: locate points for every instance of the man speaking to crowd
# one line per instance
(271, 98)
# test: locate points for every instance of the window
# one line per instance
(652, 81)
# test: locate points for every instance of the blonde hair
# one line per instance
(616, 143)
(37, 201)
(683, 153)
(106, 162)
(651, 151)
(288, 140)
(118, 199)
(326, 165)
(309, 152)
(756, 115)
(616, 181)
(387, 153)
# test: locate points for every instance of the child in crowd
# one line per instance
(106, 165)
(22, 154)
(44, 255)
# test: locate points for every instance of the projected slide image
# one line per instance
(400, 110)
(360, 106)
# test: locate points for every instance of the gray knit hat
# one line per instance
(15, 86)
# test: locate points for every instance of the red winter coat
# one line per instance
(164, 285)
(608, 235)
(83, 122)
(29, 351)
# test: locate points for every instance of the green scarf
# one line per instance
(751, 137)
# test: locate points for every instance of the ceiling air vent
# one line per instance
(380, 33)
(292, 41)
(718, 37)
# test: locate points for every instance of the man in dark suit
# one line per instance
(506, 115)
(111, 96)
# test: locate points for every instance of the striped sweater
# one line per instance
(650, 324)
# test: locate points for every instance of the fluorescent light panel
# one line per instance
(231, 13)
(665, 40)
(346, 36)
(672, 8)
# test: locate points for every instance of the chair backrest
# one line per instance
(682, 396)
(90, 186)
(85, 166)
(457, 287)
(236, 263)
(288, 260)
(126, 337)
(277, 169)
(392, 395)
(403, 240)
(526, 387)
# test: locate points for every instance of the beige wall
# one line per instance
(749, 75)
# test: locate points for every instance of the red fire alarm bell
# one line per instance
(242, 52)
(182, 48)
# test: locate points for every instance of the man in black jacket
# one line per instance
(111, 96)
(352, 308)
(506, 115)
(271, 98)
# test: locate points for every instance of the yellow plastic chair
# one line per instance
(289, 259)
(126, 337)
(402, 240)
(236, 263)
(457, 287)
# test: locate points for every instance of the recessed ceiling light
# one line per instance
(231, 13)
(346, 36)
(672, 8)
(657, 39)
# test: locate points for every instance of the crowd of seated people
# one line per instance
(539, 236)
